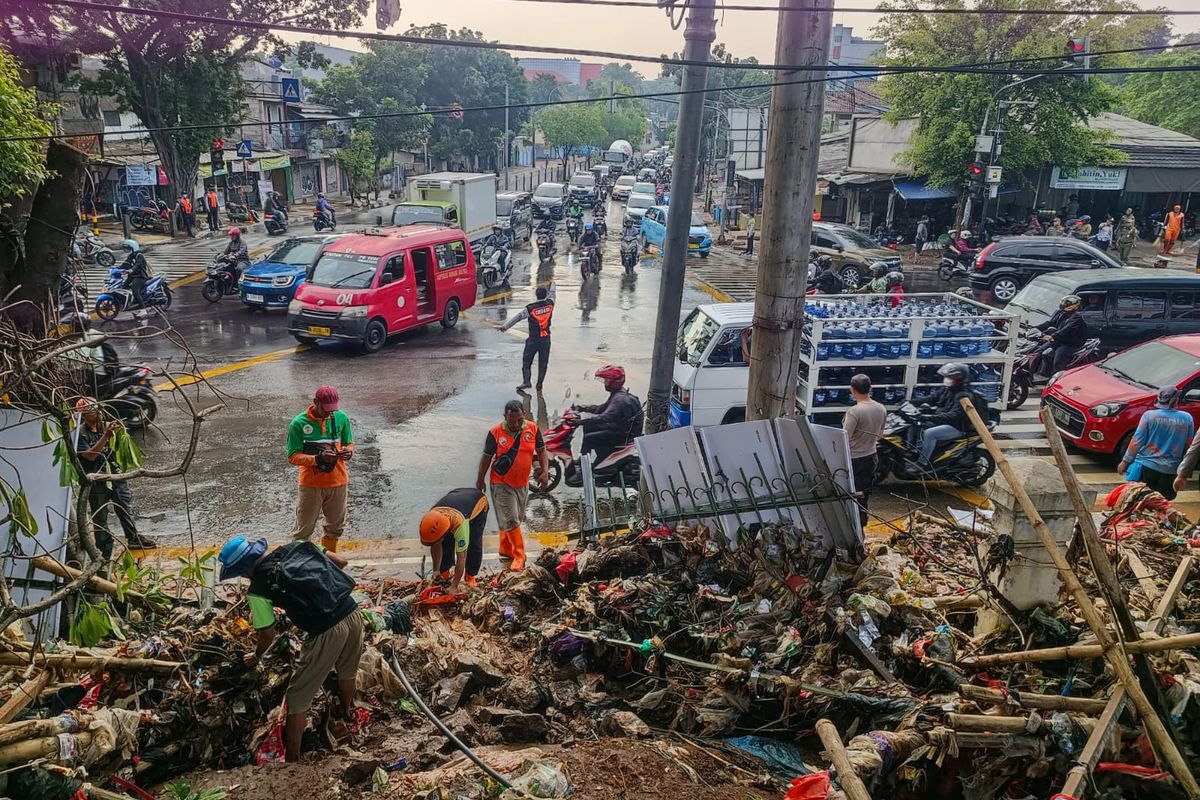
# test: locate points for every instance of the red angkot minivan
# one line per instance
(367, 287)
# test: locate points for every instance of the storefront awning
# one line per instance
(917, 190)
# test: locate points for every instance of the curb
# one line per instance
(711, 290)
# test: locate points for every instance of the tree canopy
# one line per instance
(22, 163)
(1050, 126)
(573, 127)
(1169, 99)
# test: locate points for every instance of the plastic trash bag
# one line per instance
(782, 759)
(809, 787)
(544, 778)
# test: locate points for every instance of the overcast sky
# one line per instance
(626, 30)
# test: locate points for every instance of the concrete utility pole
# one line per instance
(793, 150)
(699, 33)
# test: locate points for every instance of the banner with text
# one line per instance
(1104, 178)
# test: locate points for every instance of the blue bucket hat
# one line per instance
(239, 555)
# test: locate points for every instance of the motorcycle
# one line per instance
(276, 223)
(545, 244)
(495, 266)
(954, 264)
(91, 248)
(117, 297)
(321, 220)
(126, 391)
(150, 216)
(573, 229)
(629, 249)
(220, 279)
(962, 460)
(600, 225)
(620, 468)
(589, 262)
(72, 292)
(1035, 359)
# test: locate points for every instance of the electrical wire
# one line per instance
(1020, 12)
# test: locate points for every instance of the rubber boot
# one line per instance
(330, 543)
(517, 543)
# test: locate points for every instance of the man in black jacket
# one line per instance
(539, 313)
(618, 420)
(1067, 329)
(949, 420)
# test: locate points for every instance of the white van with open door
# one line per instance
(712, 372)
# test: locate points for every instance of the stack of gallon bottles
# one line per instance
(887, 385)
(853, 330)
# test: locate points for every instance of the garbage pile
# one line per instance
(662, 661)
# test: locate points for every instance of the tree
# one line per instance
(1051, 125)
(358, 159)
(22, 163)
(627, 120)
(1166, 98)
(573, 128)
(172, 73)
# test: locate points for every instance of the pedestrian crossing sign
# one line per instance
(290, 90)
(245, 149)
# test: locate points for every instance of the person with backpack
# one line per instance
(320, 443)
(314, 592)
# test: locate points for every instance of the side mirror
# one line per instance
(1095, 262)
(839, 248)
(1191, 396)
(386, 278)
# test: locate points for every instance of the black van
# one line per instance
(1122, 307)
(1005, 265)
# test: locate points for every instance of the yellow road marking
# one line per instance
(711, 290)
(187, 380)
(499, 296)
(545, 539)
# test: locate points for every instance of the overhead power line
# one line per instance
(1039, 12)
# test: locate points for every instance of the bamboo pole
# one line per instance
(1084, 651)
(24, 695)
(1077, 778)
(1161, 740)
(1049, 702)
(1105, 572)
(45, 747)
(38, 728)
(68, 661)
(49, 564)
(852, 785)
(994, 723)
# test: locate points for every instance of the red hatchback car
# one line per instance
(1097, 407)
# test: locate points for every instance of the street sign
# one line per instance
(289, 90)
(993, 174)
(245, 149)
(994, 191)
(456, 110)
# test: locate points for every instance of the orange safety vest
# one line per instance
(185, 204)
(212, 199)
(540, 313)
(522, 450)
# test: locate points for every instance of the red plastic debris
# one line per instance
(809, 787)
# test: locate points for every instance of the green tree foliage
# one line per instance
(1169, 99)
(22, 164)
(169, 72)
(573, 128)
(950, 107)
(358, 159)
(626, 120)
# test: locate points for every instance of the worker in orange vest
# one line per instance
(508, 455)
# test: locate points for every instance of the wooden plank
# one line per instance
(1145, 577)
(1030, 700)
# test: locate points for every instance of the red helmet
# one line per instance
(612, 375)
(234, 231)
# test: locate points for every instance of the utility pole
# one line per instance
(506, 145)
(793, 150)
(698, 35)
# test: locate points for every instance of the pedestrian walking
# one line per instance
(315, 593)
(212, 205)
(1104, 234)
(94, 445)
(320, 443)
(863, 425)
(750, 238)
(453, 531)
(508, 454)
(922, 236)
(1155, 454)
(1172, 231)
(537, 343)
(186, 220)
(1126, 235)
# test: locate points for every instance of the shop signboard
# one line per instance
(1110, 179)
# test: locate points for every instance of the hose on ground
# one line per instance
(441, 726)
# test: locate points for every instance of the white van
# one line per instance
(711, 371)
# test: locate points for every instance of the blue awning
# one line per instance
(917, 190)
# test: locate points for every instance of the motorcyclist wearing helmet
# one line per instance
(574, 208)
(894, 288)
(962, 245)
(325, 208)
(948, 420)
(826, 280)
(617, 421)
(878, 282)
(497, 238)
(236, 254)
(137, 270)
(1067, 329)
(590, 237)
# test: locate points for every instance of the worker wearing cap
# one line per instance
(1159, 444)
(453, 532)
(320, 443)
(94, 446)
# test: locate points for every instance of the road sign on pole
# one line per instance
(456, 110)
(289, 90)
(245, 149)
(993, 174)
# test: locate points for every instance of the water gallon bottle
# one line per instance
(822, 352)
(819, 397)
(854, 351)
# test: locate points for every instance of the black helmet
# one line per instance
(878, 270)
(959, 373)
(894, 279)
(1071, 302)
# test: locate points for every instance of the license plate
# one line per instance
(1060, 416)
(255, 298)
(318, 331)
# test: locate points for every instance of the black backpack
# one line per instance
(308, 586)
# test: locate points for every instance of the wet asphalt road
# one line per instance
(420, 408)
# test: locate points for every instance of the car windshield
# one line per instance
(694, 335)
(640, 201)
(503, 207)
(549, 191)
(697, 222)
(643, 187)
(1038, 301)
(856, 239)
(1153, 365)
(625, 180)
(615, 156)
(297, 253)
(414, 215)
(583, 180)
(344, 271)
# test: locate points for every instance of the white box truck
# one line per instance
(465, 200)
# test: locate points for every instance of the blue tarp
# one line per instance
(917, 190)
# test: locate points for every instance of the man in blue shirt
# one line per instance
(1159, 444)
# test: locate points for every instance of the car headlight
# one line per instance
(295, 306)
(1107, 409)
(1054, 378)
(354, 312)
(283, 280)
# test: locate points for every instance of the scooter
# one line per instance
(573, 229)
(620, 468)
(954, 263)
(545, 243)
(220, 279)
(321, 220)
(91, 248)
(117, 297)
(149, 216)
(1035, 358)
(495, 266)
(629, 249)
(589, 262)
(600, 225)
(127, 392)
(962, 460)
(276, 223)
(72, 292)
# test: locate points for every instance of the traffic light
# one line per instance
(217, 156)
(1074, 51)
(975, 174)
(218, 144)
